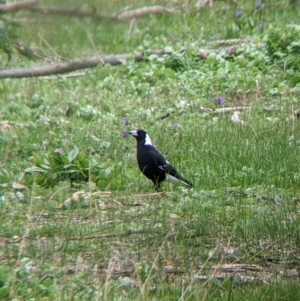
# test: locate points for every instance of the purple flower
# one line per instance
(261, 26)
(175, 126)
(28, 279)
(220, 100)
(238, 13)
(58, 151)
(124, 121)
(258, 4)
(124, 134)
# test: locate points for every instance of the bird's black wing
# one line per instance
(171, 173)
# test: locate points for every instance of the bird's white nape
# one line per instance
(148, 140)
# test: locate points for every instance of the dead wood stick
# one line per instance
(17, 6)
(143, 11)
(92, 13)
(169, 114)
(203, 3)
(64, 67)
(143, 196)
(71, 11)
(231, 42)
(111, 235)
(231, 109)
(78, 64)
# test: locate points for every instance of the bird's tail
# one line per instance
(177, 178)
(173, 176)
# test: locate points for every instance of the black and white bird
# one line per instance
(152, 164)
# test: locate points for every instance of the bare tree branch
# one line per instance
(88, 12)
(85, 12)
(140, 12)
(203, 3)
(72, 11)
(64, 67)
(94, 61)
(231, 109)
(18, 6)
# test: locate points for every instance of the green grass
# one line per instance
(240, 220)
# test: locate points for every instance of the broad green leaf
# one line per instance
(38, 160)
(34, 169)
(25, 50)
(64, 159)
(73, 153)
(45, 166)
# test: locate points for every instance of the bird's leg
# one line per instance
(157, 186)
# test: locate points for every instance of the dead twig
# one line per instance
(203, 3)
(231, 50)
(143, 11)
(231, 42)
(110, 235)
(18, 6)
(231, 109)
(169, 114)
(92, 13)
(78, 74)
(234, 268)
(91, 62)
(64, 67)
(77, 196)
(143, 196)
(6, 124)
(71, 11)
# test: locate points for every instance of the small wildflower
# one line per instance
(238, 13)
(258, 4)
(220, 100)
(58, 151)
(261, 26)
(28, 279)
(124, 121)
(124, 134)
(175, 126)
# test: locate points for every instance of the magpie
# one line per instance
(152, 164)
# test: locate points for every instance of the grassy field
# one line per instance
(105, 235)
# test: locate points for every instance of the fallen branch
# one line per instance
(71, 11)
(96, 60)
(231, 109)
(18, 6)
(64, 67)
(144, 196)
(169, 114)
(203, 3)
(111, 235)
(236, 268)
(143, 11)
(207, 110)
(231, 42)
(204, 53)
(6, 124)
(236, 279)
(78, 195)
(72, 75)
(92, 13)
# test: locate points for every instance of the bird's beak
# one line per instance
(133, 133)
